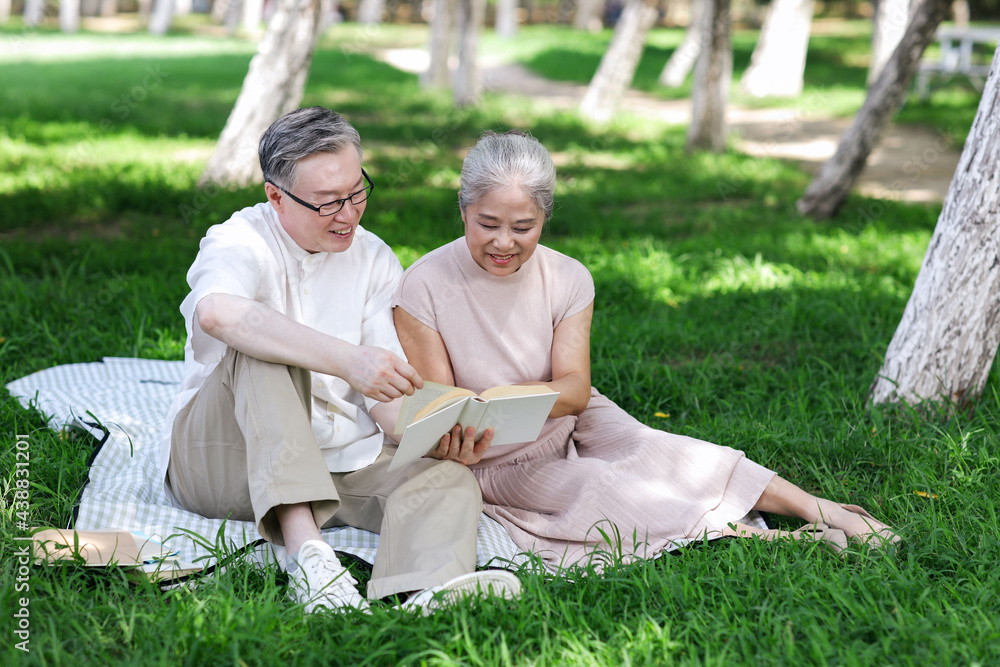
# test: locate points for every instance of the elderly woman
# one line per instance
(494, 308)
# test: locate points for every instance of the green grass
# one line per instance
(717, 306)
(834, 78)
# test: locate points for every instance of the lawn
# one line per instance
(721, 314)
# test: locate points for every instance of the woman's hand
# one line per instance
(464, 450)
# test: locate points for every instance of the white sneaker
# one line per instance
(322, 582)
(498, 583)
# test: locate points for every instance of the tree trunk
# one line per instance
(69, 15)
(33, 12)
(145, 10)
(586, 16)
(468, 87)
(712, 76)
(370, 11)
(831, 185)
(109, 7)
(779, 59)
(506, 21)
(273, 87)
(888, 26)
(161, 16)
(617, 69)
(4, 11)
(682, 60)
(960, 13)
(947, 339)
(253, 14)
(438, 74)
(219, 10)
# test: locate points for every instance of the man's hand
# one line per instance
(380, 374)
(453, 447)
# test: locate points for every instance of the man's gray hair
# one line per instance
(298, 135)
(506, 160)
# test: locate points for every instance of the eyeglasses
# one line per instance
(333, 207)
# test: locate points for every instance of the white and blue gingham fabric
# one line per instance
(124, 402)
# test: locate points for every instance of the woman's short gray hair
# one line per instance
(298, 135)
(505, 160)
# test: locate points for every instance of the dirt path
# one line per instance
(912, 163)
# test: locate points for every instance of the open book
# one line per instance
(96, 548)
(516, 413)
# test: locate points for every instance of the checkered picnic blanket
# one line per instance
(124, 403)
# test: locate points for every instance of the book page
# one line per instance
(424, 401)
(516, 390)
(517, 418)
(422, 436)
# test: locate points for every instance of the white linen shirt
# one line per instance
(346, 295)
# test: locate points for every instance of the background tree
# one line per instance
(712, 76)
(33, 12)
(683, 58)
(251, 15)
(69, 15)
(835, 178)
(4, 11)
(438, 74)
(370, 11)
(588, 15)
(779, 58)
(506, 21)
(273, 87)
(469, 25)
(617, 69)
(888, 25)
(947, 339)
(161, 17)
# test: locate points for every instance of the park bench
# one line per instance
(958, 55)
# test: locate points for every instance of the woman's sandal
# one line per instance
(880, 536)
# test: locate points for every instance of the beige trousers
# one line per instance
(244, 445)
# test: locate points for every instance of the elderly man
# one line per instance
(293, 376)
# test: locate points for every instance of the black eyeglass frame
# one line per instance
(370, 188)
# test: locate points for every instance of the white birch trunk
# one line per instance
(161, 17)
(370, 11)
(145, 10)
(438, 74)
(69, 15)
(4, 11)
(33, 12)
(779, 58)
(960, 13)
(587, 16)
(712, 75)
(468, 86)
(233, 13)
(835, 178)
(219, 10)
(273, 87)
(506, 21)
(683, 59)
(947, 339)
(617, 69)
(253, 14)
(888, 25)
